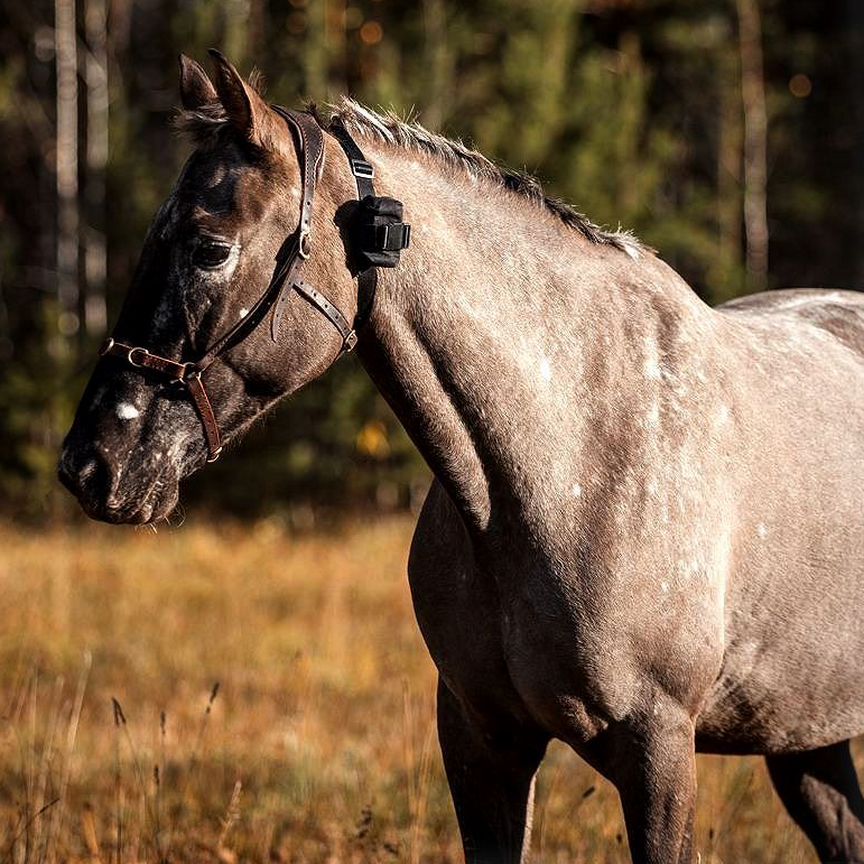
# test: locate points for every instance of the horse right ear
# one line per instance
(247, 112)
(196, 89)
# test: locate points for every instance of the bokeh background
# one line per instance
(728, 134)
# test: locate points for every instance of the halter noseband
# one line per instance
(377, 235)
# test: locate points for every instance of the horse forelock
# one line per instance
(203, 125)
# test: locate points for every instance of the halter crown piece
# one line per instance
(376, 235)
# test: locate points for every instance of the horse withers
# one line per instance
(645, 537)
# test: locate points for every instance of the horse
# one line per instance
(645, 535)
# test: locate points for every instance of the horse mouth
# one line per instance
(156, 507)
(156, 503)
(152, 503)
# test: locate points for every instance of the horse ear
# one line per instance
(246, 110)
(196, 89)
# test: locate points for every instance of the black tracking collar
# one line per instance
(376, 232)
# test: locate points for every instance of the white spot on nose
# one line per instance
(127, 411)
(576, 490)
(664, 587)
(545, 369)
(243, 312)
(762, 530)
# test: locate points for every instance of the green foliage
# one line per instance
(37, 401)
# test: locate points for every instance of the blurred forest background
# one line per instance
(729, 134)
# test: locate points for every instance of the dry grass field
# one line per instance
(319, 745)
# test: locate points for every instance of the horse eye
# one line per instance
(209, 254)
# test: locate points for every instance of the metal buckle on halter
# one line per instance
(361, 168)
(131, 362)
(349, 342)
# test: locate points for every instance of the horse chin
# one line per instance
(157, 507)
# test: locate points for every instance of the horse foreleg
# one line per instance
(653, 765)
(491, 777)
(820, 790)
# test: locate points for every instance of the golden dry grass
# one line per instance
(319, 745)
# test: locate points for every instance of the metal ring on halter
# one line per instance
(303, 245)
(131, 361)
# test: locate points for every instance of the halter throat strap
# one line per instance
(364, 174)
(309, 142)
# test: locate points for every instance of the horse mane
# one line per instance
(407, 133)
(204, 126)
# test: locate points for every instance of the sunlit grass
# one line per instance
(319, 745)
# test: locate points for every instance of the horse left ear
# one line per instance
(246, 110)
(196, 89)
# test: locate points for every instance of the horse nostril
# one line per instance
(92, 480)
(88, 470)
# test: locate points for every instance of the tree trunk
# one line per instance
(437, 62)
(95, 254)
(854, 20)
(67, 166)
(729, 175)
(755, 143)
(315, 50)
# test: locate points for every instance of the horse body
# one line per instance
(649, 513)
(645, 535)
(644, 604)
(641, 470)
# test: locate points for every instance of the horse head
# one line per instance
(214, 256)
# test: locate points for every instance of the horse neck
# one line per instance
(506, 342)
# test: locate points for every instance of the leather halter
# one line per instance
(309, 140)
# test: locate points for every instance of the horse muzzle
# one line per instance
(97, 481)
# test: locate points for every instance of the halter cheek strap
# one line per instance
(309, 141)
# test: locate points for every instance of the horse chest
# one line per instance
(460, 617)
(502, 662)
(498, 656)
(512, 635)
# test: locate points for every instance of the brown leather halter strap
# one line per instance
(185, 374)
(309, 141)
